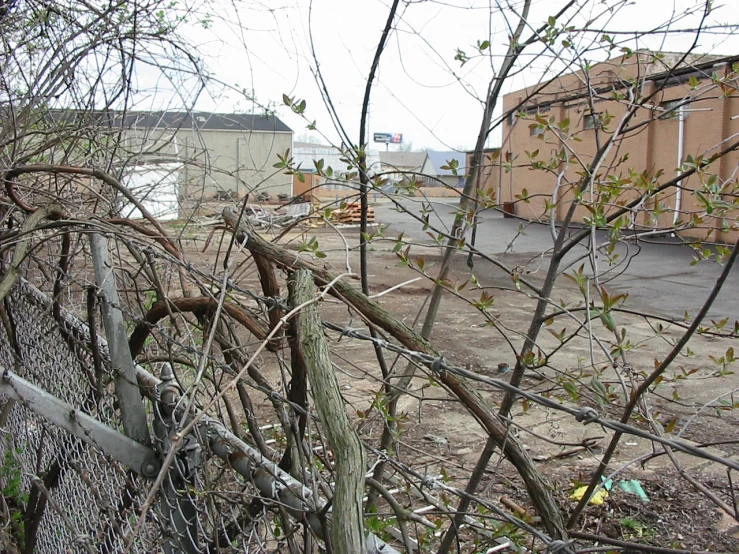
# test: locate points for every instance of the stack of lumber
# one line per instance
(352, 213)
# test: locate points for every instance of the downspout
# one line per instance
(238, 167)
(177, 180)
(500, 164)
(514, 120)
(680, 150)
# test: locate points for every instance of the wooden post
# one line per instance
(347, 532)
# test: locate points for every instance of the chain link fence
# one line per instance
(77, 499)
(92, 500)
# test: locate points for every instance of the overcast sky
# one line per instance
(421, 91)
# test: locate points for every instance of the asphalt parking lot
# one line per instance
(656, 274)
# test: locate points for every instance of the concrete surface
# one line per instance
(657, 275)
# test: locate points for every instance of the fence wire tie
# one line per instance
(272, 302)
(383, 343)
(557, 546)
(429, 482)
(348, 332)
(587, 415)
(436, 364)
(381, 458)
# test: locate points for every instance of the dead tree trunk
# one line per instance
(347, 532)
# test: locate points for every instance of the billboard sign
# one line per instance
(394, 138)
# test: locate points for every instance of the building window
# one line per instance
(511, 117)
(534, 110)
(535, 130)
(671, 108)
(592, 121)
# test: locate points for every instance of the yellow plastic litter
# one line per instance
(597, 499)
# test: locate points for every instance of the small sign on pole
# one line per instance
(388, 138)
(383, 137)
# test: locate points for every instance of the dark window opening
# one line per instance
(592, 121)
(536, 131)
(670, 109)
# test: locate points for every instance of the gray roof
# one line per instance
(310, 145)
(207, 121)
(438, 159)
(403, 160)
(204, 121)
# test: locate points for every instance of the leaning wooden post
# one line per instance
(347, 532)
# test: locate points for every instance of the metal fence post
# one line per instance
(124, 374)
(177, 505)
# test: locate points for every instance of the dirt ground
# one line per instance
(438, 436)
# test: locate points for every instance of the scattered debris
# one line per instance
(436, 439)
(258, 215)
(512, 506)
(632, 486)
(598, 498)
(352, 213)
(629, 486)
(564, 454)
(298, 210)
(225, 195)
(207, 221)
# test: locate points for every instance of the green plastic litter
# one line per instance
(633, 487)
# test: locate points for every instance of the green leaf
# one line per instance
(571, 389)
(608, 321)
(598, 386)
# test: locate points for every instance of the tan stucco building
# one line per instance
(221, 154)
(691, 110)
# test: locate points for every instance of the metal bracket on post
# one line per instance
(124, 374)
(177, 505)
(121, 448)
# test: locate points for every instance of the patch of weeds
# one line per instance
(12, 490)
(634, 529)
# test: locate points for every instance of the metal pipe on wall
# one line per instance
(680, 151)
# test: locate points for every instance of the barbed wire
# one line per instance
(438, 364)
(554, 546)
(585, 415)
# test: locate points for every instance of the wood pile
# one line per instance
(352, 213)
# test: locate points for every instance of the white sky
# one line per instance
(421, 91)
